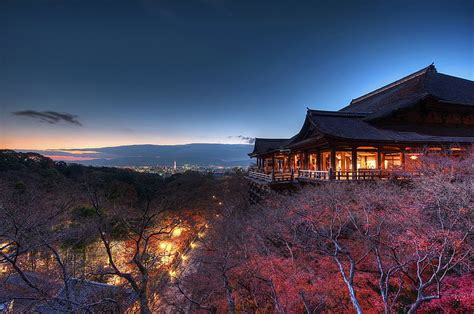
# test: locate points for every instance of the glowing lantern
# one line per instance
(413, 157)
(166, 259)
(193, 245)
(177, 232)
(184, 257)
(167, 246)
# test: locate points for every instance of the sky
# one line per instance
(87, 74)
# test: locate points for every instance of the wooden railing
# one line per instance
(361, 174)
(313, 175)
(260, 176)
(318, 175)
(276, 177)
(283, 176)
(371, 174)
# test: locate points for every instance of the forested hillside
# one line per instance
(192, 243)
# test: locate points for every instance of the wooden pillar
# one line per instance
(273, 167)
(354, 163)
(306, 160)
(379, 159)
(318, 160)
(402, 157)
(333, 163)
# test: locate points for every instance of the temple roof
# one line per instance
(268, 145)
(356, 121)
(352, 125)
(410, 90)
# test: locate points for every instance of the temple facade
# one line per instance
(377, 134)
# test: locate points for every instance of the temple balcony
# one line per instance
(321, 175)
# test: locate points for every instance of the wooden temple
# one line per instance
(377, 134)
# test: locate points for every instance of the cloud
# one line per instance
(246, 139)
(51, 117)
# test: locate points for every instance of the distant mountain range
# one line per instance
(228, 155)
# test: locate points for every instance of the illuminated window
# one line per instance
(366, 160)
(343, 161)
(325, 161)
(392, 161)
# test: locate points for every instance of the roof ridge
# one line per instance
(271, 139)
(338, 113)
(411, 76)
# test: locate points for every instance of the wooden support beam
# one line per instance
(318, 160)
(306, 160)
(273, 166)
(333, 163)
(402, 157)
(354, 163)
(379, 159)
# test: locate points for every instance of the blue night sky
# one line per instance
(167, 72)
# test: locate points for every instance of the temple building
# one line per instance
(377, 133)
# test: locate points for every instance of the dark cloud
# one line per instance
(51, 117)
(247, 139)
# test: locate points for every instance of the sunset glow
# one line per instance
(69, 158)
(236, 156)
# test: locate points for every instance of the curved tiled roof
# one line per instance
(411, 89)
(268, 145)
(356, 121)
(350, 125)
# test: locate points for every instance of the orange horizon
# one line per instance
(70, 158)
(73, 144)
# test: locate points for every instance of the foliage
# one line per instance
(380, 246)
